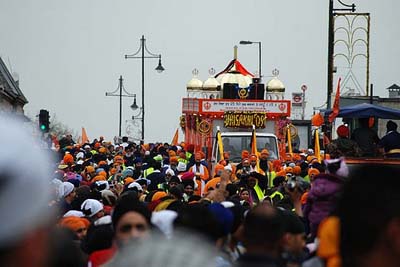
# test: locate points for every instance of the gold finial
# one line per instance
(211, 71)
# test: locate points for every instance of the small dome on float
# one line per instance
(194, 83)
(275, 85)
(211, 83)
(235, 77)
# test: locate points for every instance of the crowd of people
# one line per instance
(157, 204)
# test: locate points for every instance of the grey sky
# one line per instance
(69, 53)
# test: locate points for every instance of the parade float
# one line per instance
(234, 101)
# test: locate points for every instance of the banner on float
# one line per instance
(270, 107)
(233, 119)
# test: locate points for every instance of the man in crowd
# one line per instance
(390, 143)
(370, 219)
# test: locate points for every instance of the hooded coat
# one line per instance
(322, 198)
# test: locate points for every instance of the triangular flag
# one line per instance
(335, 108)
(174, 141)
(85, 138)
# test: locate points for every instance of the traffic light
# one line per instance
(44, 121)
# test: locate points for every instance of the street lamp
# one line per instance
(121, 89)
(259, 54)
(159, 69)
(331, 40)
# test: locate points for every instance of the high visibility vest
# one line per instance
(183, 160)
(259, 192)
(148, 171)
(271, 177)
(276, 193)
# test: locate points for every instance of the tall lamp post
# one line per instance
(331, 40)
(121, 93)
(259, 54)
(159, 69)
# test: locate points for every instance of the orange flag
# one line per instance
(289, 140)
(85, 138)
(317, 149)
(335, 108)
(254, 142)
(174, 141)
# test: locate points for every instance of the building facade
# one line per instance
(12, 100)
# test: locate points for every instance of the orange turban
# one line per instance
(313, 171)
(317, 120)
(171, 153)
(118, 159)
(102, 150)
(296, 170)
(102, 162)
(158, 195)
(113, 171)
(68, 159)
(245, 154)
(128, 180)
(89, 169)
(103, 173)
(74, 223)
(218, 167)
(99, 178)
(173, 160)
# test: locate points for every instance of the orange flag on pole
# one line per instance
(335, 108)
(254, 146)
(174, 141)
(289, 140)
(317, 149)
(254, 142)
(85, 138)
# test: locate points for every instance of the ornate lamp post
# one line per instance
(159, 69)
(121, 92)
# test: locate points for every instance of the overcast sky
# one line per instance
(68, 54)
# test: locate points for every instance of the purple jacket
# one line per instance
(322, 197)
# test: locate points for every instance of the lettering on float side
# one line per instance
(244, 119)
